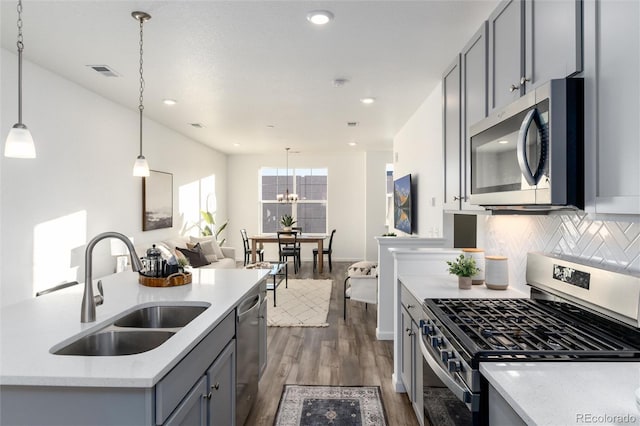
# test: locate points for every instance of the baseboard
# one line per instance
(398, 386)
(384, 335)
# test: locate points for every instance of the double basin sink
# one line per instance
(139, 331)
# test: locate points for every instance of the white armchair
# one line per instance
(361, 284)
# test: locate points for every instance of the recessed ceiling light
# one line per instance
(368, 101)
(236, 144)
(319, 17)
(169, 101)
(504, 141)
(352, 143)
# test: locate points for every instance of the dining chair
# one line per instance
(247, 248)
(288, 246)
(326, 251)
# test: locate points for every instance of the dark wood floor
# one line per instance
(345, 353)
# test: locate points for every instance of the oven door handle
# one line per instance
(459, 391)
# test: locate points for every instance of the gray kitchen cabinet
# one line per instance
(262, 335)
(474, 104)
(612, 107)
(451, 110)
(411, 366)
(407, 354)
(221, 381)
(531, 42)
(192, 411)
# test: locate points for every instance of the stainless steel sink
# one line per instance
(116, 342)
(160, 317)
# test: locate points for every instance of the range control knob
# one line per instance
(436, 341)
(446, 355)
(454, 365)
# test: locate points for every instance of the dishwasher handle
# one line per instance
(253, 302)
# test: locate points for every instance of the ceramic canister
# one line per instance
(497, 272)
(478, 255)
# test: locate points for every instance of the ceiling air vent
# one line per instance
(104, 70)
(197, 125)
(352, 123)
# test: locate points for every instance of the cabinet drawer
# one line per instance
(177, 383)
(411, 304)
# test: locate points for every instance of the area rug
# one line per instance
(331, 405)
(304, 304)
(443, 408)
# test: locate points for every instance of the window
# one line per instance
(310, 212)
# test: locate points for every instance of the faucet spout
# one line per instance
(89, 302)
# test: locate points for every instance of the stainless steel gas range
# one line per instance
(576, 313)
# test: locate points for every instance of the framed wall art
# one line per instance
(157, 201)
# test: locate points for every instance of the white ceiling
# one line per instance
(256, 74)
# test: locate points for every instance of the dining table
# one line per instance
(302, 238)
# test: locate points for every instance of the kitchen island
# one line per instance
(30, 329)
(562, 393)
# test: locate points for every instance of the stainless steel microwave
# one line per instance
(529, 155)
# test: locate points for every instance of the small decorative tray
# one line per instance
(173, 280)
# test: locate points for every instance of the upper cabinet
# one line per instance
(531, 42)
(612, 106)
(451, 91)
(464, 86)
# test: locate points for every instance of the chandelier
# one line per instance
(287, 197)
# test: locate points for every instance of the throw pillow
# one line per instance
(362, 268)
(195, 256)
(212, 241)
(207, 250)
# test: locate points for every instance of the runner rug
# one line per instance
(305, 303)
(331, 405)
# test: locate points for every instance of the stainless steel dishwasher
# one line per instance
(247, 368)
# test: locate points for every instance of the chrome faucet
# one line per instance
(89, 301)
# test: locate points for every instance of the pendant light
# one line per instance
(286, 197)
(19, 142)
(141, 167)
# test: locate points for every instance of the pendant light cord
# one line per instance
(141, 106)
(20, 45)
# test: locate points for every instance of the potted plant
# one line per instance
(287, 222)
(464, 267)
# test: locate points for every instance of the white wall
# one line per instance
(376, 208)
(418, 150)
(348, 198)
(80, 184)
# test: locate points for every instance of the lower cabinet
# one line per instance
(221, 381)
(193, 409)
(411, 367)
(262, 335)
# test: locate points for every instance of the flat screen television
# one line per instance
(402, 204)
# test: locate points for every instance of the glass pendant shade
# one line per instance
(141, 167)
(19, 143)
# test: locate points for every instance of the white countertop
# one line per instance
(29, 329)
(446, 286)
(568, 393)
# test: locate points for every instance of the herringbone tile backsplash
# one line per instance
(614, 245)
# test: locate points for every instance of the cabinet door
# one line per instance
(192, 410)
(221, 379)
(451, 90)
(612, 106)
(506, 44)
(553, 40)
(262, 337)
(407, 354)
(474, 102)
(418, 392)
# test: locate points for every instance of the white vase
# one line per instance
(497, 274)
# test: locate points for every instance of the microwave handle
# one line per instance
(531, 178)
